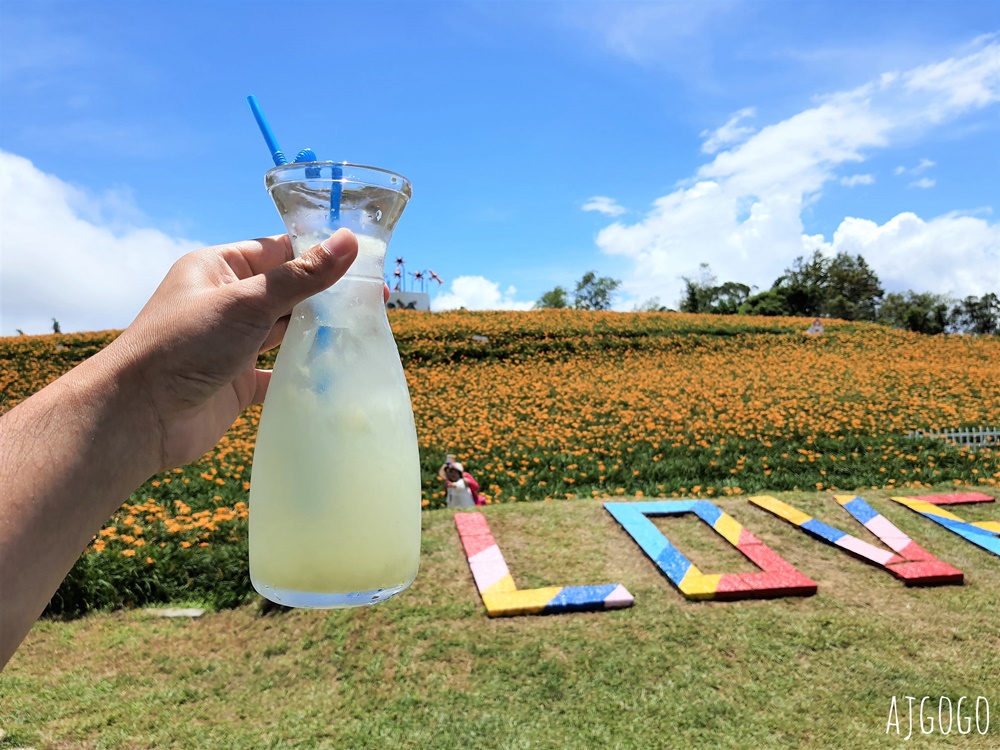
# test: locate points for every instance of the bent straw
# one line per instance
(305, 154)
(265, 130)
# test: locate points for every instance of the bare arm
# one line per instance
(161, 395)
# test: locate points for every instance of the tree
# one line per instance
(652, 305)
(707, 296)
(727, 298)
(594, 293)
(55, 326)
(770, 302)
(853, 290)
(557, 298)
(20, 332)
(802, 286)
(922, 312)
(696, 292)
(977, 315)
(695, 297)
(842, 287)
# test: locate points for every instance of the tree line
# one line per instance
(842, 286)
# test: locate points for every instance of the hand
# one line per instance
(194, 345)
(160, 395)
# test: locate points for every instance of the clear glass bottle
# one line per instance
(335, 483)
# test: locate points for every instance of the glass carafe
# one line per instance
(335, 484)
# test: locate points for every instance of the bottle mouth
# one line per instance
(341, 172)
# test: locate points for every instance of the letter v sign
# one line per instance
(908, 561)
(985, 534)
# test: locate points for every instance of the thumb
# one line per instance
(284, 286)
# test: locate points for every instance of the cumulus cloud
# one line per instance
(742, 211)
(951, 254)
(604, 205)
(923, 183)
(478, 293)
(84, 259)
(857, 179)
(731, 132)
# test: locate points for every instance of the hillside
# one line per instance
(563, 404)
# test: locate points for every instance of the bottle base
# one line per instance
(326, 599)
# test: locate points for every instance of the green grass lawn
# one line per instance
(429, 669)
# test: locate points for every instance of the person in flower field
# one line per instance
(462, 490)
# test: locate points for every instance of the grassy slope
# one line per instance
(429, 669)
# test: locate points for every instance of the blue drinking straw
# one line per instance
(308, 155)
(265, 130)
(335, 189)
(305, 155)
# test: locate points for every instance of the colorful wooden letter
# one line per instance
(985, 535)
(956, 498)
(779, 578)
(909, 562)
(501, 595)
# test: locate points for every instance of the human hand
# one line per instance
(193, 347)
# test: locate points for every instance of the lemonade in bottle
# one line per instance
(335, 483)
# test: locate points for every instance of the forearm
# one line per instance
(159, 396)
(69, 456)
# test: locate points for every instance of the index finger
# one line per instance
(251, 257)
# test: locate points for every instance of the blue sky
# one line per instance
(543, 140)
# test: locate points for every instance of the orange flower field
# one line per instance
(563, 404)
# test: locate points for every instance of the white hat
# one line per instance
(456, 465)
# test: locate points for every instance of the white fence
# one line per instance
(969, 436)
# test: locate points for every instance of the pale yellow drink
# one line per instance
(335, 486)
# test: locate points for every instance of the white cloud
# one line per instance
(958, 84)
(952, 254)
(604, 205)
(924, 164)
(742, 211)
(85, 260)
(923, 183)
(857, 179)
(647, 32)
(731, 132)
(478, 293)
